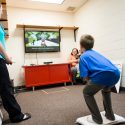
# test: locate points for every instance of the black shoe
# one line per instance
(74, 83)
(97, 121)
(110, 117)
(26, 116)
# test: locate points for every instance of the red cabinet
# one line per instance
(47, 74)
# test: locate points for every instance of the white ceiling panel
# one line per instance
(66, 6)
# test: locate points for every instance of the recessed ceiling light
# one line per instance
(50, 1)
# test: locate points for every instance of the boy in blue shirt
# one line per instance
(100, 74)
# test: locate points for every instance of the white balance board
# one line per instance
(87, 120)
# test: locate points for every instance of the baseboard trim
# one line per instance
(122, 88)
(24, 89)
(18, 89)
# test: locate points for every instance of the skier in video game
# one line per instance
(43, 39)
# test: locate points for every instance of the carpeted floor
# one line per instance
(60, 106)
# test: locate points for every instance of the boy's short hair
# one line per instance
(87, 41)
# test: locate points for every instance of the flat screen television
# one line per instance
(41, 41)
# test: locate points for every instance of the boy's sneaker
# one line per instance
(110, 117)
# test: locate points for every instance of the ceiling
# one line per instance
(67, 6)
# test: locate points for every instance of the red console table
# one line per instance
(47, 74)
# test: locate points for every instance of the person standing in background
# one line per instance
(73, 59)
(9, 102)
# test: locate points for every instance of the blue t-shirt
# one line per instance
(98, 69)
(2, 39)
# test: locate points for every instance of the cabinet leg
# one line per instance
(64, 83)
(33, 88)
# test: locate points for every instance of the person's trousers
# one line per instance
(89, 91)
(9, 102)
(74, 73)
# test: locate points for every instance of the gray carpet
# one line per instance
(60, 107)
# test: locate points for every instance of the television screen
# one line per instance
(41, 41)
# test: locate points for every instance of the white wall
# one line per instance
(15, 43)
(105, 20)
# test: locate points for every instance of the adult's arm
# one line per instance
(5, 56)
(70, 60)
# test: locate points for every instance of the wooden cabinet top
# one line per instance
(52, 64)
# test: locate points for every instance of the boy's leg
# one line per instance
(89, 91)
(106, 94)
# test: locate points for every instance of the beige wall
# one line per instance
(15, 43)
(105, 20)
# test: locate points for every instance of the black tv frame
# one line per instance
(42, 31)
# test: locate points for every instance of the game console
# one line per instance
(49, 62)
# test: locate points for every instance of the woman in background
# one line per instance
(9, 102)
(73, 59)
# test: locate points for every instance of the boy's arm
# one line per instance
(83, 70)
(4, 54)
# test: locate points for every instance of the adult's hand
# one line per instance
(76, 61)
(9, 61)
